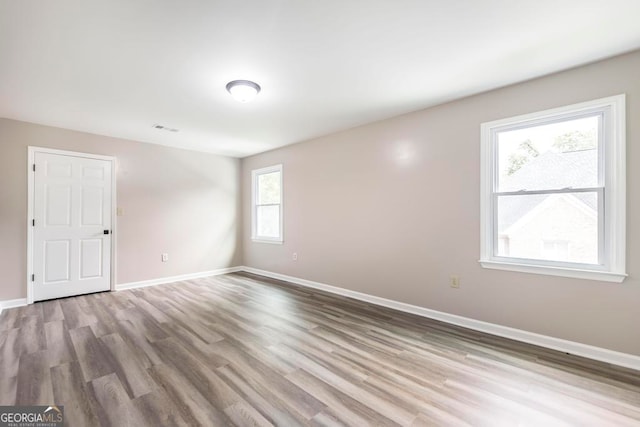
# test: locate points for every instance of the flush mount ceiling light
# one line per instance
(243, 90)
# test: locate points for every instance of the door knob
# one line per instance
(106, 231)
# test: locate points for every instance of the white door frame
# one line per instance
(30, 214)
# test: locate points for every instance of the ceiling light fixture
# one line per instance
(243, 90)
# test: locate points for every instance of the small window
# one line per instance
(266, 215)
(553, 191)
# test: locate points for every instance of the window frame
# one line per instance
(255, 174)
(611, 192)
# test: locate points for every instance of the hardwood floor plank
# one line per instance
(34, 380)
(263, 379)
(100, 328)
(52, 311)
(8, 388)
(32, 337)
(273, 409)
(10, 352)
(71, 391)
(381, 405)
(132, 375)
(342, 409)
(114, 406)
(432, 388)
(155, 296)
(10, 319)
(202, 377)
(149, 309)
(201, 332)
(562, 391)
(244, 415)
(32, 310)
(341, 366)
(105, 318)
(437, 418)
(3, 337)
(94, 358)
(59, 345)
(145, 353)
(158, 410)
(194, 407)
(144, 323)
(74, 316)
(327, 418)
(199, 348)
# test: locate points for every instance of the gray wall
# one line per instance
(180, 202)
(392, 209)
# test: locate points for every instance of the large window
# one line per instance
(553, 191)
(266, 204)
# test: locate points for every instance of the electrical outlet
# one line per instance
(165, 257)
(294, 256)
(454, 281)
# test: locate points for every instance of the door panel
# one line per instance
(90, 258)
(58, 168)
(58, 205)
(72, 208)
(90, 173)
(92, 206)
(57, 260)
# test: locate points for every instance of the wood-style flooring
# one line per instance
(249, 351)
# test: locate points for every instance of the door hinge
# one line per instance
(33, 222)
(34, 167)
(33, 277)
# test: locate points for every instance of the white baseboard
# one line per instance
(578, 349)
(11, 303)
(163, 280)
(142, 284)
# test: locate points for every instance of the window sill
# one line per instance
(273, 242)
(605, 276)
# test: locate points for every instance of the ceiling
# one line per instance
(118, 67)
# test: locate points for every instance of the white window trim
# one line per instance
(254, 205)
(614, 183)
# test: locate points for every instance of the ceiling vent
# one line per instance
(165, 128)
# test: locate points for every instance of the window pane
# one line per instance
(553, 227)
(552, 156)
(268, 221)
(269, 188)
(557, 250)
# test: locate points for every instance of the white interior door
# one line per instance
(72, 228)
